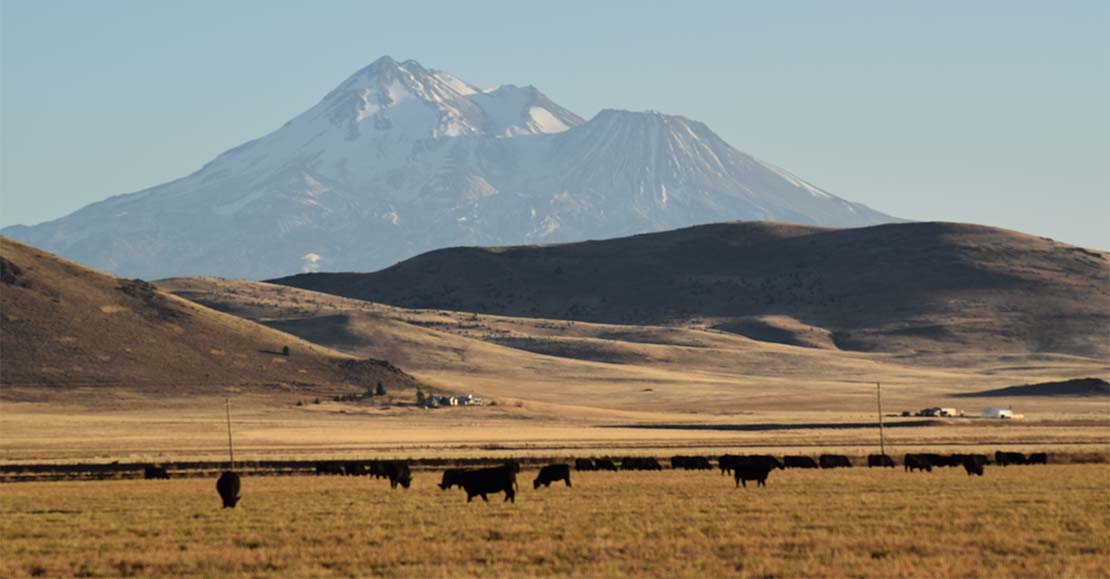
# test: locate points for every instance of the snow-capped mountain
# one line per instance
(399, 159)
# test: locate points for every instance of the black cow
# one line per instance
(937, 460)
(799, 462)
(640, 463)
(228, 487)
(727, 463)
(398, 472)
(452, 477)
(484, 481)
(605, 464)
(974, 463)
(155, 472)
(914, 462)
(584, 464)
(1037, 458)
(952, 460)
(690, 463)
(1008, 458)
(880, 460)
(329, 468)
(355, 469)
(550, 474)
(834, 461)
(698, 463)
(512, 465)
(744, 472)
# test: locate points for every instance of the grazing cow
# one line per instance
(1008, 458)
(690, 463)
(155, 472)
(398, 472)
(452, 477)
(355, 469)
(764, 459)
(974, 463)
(799, 462)
(640, 463)
(834, 461)
(584, 464)
(328, 468)
(550, 474)
(605, 464)
(953, 460)
(698, 463)
(880, 460)
(1037, 458)
(936, 460)
(744, 472)
(228, 487)
(484, 481)
(727, 463)
(914, 462)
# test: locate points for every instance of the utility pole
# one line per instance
(879, 398)
(230, 452)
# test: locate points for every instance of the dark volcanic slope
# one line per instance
(912, 286)
(64, 325)
(1076, 387)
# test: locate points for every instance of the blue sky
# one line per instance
(986, 112)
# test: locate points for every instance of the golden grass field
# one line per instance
(1035, 521)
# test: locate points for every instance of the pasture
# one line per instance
(1016, 521)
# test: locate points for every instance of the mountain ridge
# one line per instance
(400, 159)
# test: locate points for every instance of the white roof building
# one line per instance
(997, 413)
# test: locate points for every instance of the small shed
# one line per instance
(997, 413)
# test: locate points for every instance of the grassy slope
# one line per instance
(894, 288)
(69, 330)
(575, 365)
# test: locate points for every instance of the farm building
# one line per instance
(938, 411)
(997, 413)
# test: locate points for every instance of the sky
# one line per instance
(992, 112)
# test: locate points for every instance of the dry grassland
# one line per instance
(1051, 521)
(180, 430)
(572, 369)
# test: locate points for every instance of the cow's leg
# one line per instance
(568, 481)
(485, 498)
(469, 497)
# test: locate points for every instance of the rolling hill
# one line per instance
(564, 369)
(909, 287)
(68, 331)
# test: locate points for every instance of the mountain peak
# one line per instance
(400, 158)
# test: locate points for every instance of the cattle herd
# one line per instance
(481, 482)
